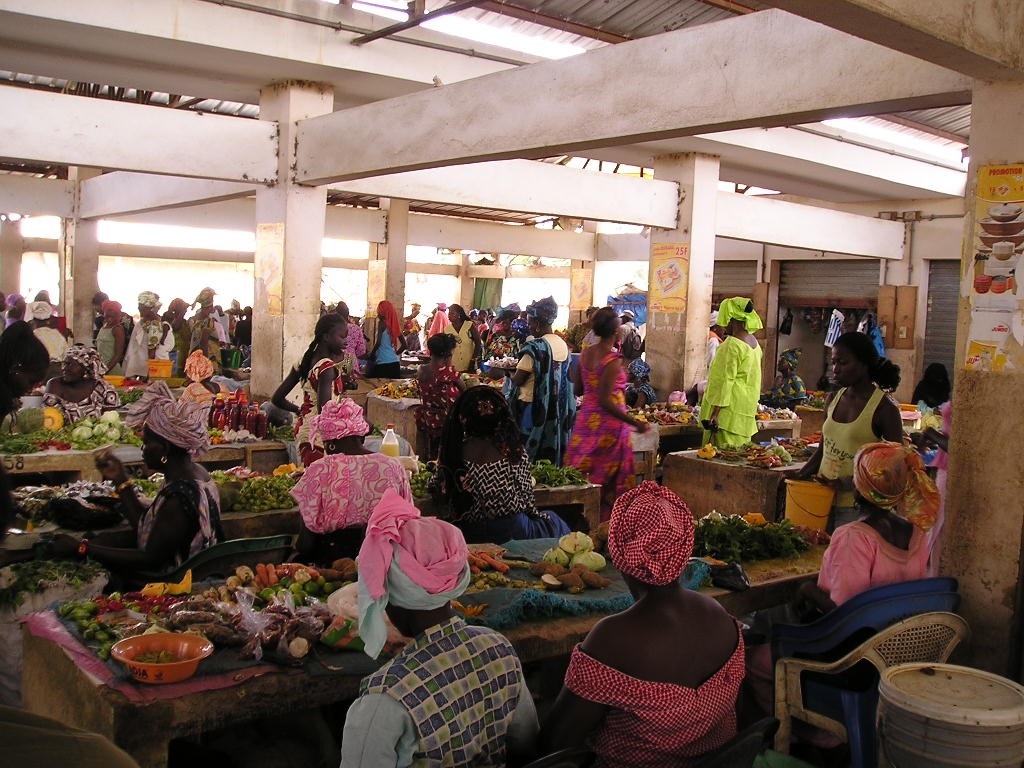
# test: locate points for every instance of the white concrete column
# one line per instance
(982, 543)
(12, 246)
(289, 241)
(676, 339)
(78, 257)
(393, 252)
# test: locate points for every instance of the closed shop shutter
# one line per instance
(839, 283)
(943, 301)
(733, 278)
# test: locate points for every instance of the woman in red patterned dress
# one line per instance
(655, 685)
(323, 372)
(440, 387)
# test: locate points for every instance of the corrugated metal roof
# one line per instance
(440, 209)
(956, 120)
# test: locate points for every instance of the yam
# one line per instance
(572, 582)
(551, 582)
(554, 569)
(591, 579)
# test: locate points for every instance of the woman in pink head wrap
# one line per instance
(629, 692)
(184, 518)
(898, 503)
(337, 493)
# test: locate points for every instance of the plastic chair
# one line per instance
(222, 559)
(863, 615)
(743, 748)
(827, 694)
(571, 757)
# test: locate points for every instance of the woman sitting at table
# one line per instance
(80, 391)
(337, 493)
(203, 390)
(440, 387)
(184, 518)
(484, 476)
(639, 391)
(898, 502)
(630, 693)
(788, 390)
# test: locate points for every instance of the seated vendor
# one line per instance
(898, 502)
(629, 693)
(639, 391)
(337, 493)
(484, 476)
(788, 390)
(81, 391)
(184, 518)
(203, 389)
(411, 568)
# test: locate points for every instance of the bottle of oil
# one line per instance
(389, 445)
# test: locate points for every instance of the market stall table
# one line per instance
(400, 413)
(71, 465)
(586, 497)
(54, 683)
(731, 488)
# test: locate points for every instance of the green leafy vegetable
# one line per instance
(259, 494)
(37, 576)
(548, 474)
(734, 540)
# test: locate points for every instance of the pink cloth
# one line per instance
(438, 324)
(340, 491)
(650, 536)
(657, 724)
(430, 552)
(858, 558)
(338, 419)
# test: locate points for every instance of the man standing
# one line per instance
(455, 695)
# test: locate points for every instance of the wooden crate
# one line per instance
(381, 411)
(731, 489)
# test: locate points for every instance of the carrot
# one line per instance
(261, 576)
(475, 561)
(272, 577)
(474, 569)
(496, 564)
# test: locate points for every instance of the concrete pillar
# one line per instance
(677, 334)
(467, 284)
(581, 281)
(289, 241)
(12, 246)
(78, 257)
(982, 543)
(393, 251)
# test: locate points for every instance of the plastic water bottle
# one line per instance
(389, 445)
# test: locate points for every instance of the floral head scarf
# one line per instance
(545, 310)
(792, 356)
(181, 424)
(892, 476)
(340, 418)
(739, 308)
(149, 299)
(88, 358)
(650, 536)
(640, 370)
(198, 366)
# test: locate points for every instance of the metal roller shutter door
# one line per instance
(733, 278)
(824, 283)
(943, 300)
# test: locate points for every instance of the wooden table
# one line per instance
(777, 428)
(72, 465)
(54, 686)
(586, 497)
(728, 487)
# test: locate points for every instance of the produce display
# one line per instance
(666, 414)
(284, 433)
(93, 501)
(502, 362)
(130, 395)
(734, 539)
(87, 434)
(398, 389)
(420, 480)
(36, 576)
(775, 454)
(550, 475)
(258, 494)
(571, 565)
(767, 413)
(472, 380)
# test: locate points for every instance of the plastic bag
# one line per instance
(730, 576)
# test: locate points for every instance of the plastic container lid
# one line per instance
(954, 694)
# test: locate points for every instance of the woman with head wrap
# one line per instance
(857, 414)
(111, 339)
(933, 388)
(600, 445)
(502, 342)
(898, 503)
(729, 407)
(411, 568)
(175, 317)
(788, 391)
(337, 493)
(639, 391)
(16, 308)
(468, 347)
(541, 394)
(325, 371)
(630, 693)
(207, 334)
(81, 391)
(152, 338)
(389, 345)
(438, 320)
(43, 327)
(203, 390)
(440, 387)
(484, 477)
(184, 518)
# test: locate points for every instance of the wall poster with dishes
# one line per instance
(670, 270)
(995, 340)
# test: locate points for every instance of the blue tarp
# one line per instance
(634, 302)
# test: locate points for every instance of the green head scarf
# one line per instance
(739, 308)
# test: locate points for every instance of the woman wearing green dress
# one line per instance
(111, 340)
(729, 407)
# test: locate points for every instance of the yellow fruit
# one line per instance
(707, 452)
(52, 419)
